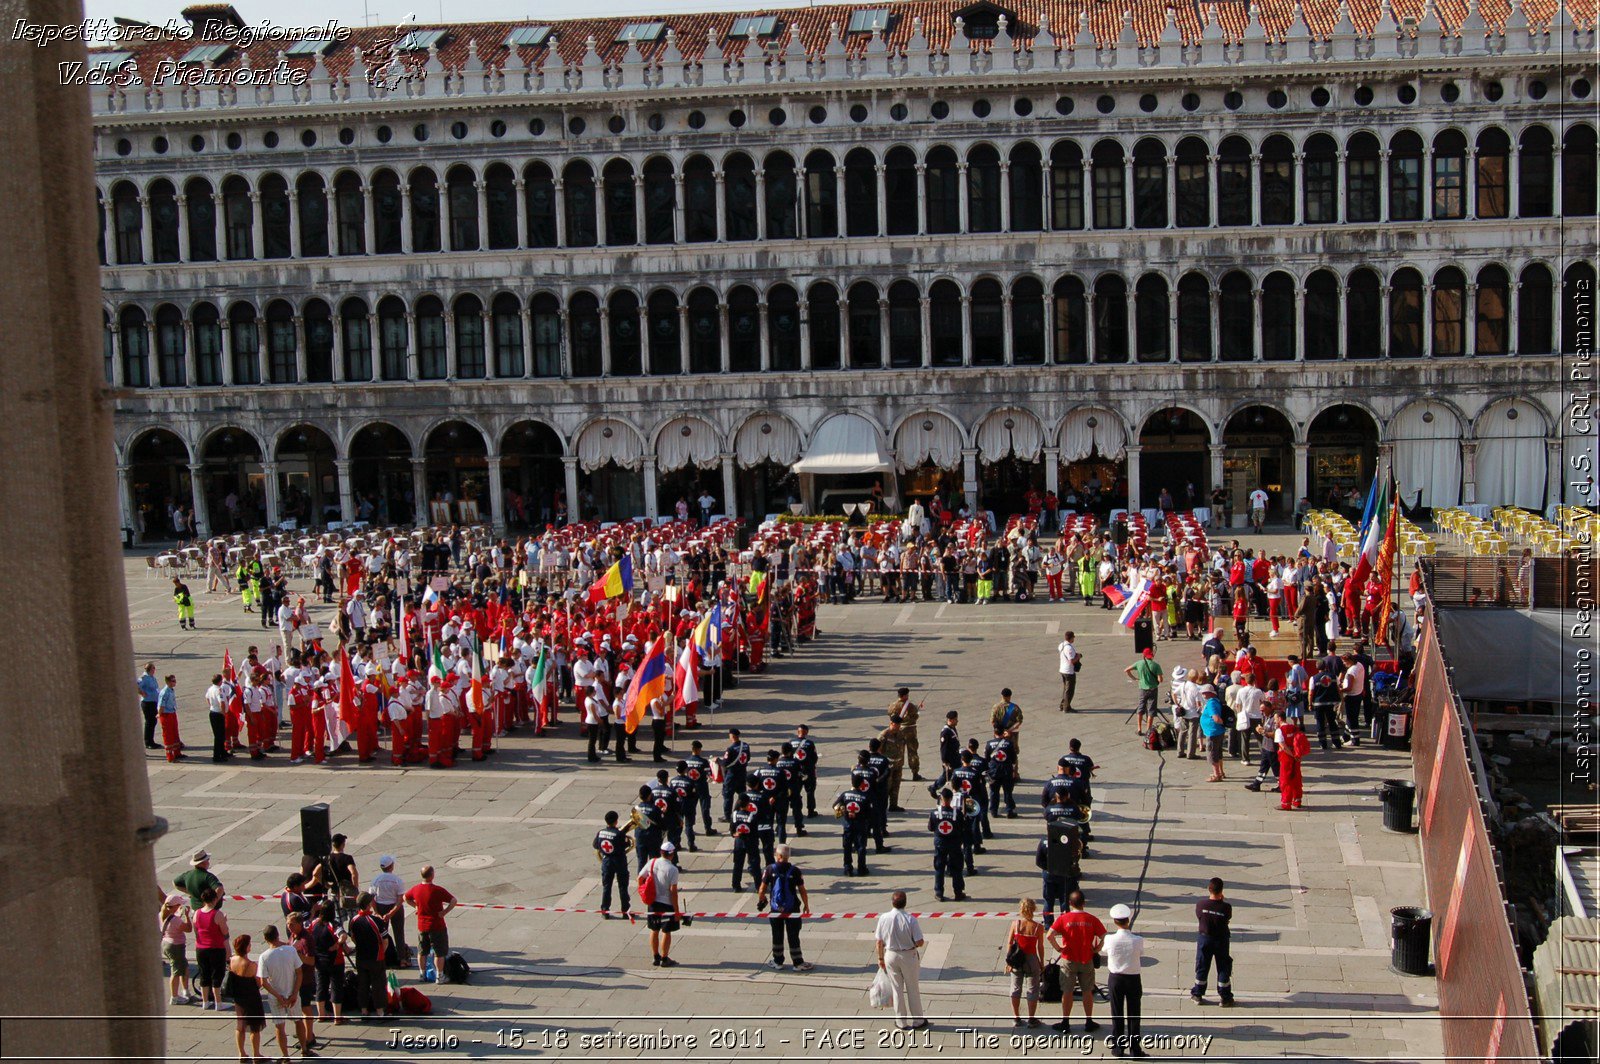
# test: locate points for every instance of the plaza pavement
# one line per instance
(1311, 890)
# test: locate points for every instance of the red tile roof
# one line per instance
(816, 25)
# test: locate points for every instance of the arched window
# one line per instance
(350, 212)
(539, 190)
(583, 317)
(238, 219)
(461, 186)
(1070, 343)
(276, 239)
(622, 217)
(699, 201)
(900, 191)
(1405, 177)
(200, 220)
(207, 344)
(1321, 180)
(318, 321)
(1535, 319)
(1449, 312)
(1362, 201)
(135, 340)
(822, 196)
(1111, 319)
(1277, 181)
(1490, 312)
(744, 330)
(988, 323)
(866, 339)
(660, 201)
(311, 202)
(1322, 316)
(627, 345)
(1236, 333)
(1066, 186)
(1026, 189)
(545, 318)
(244, 340)
(944, 324)
(282, 344)
(739, 179)
(983, 190)
(1362, 317)
(783, 328)
(943, 192)
(860, 193)
(1194, 183)
(1450, 175)
(577, 192)
(424, 203)
(500, 197)
(1027, 322)
(1109, 200)
(471, 345)
(905, 325)
(822, 313)
(1277, 318)
(357, 330)
(1233, 182)
(705, 332)
(388, 213)
(394, 340)
(1578, 172)
(1535, 174)
(163, 222)
(433, 356)
(508, 357)
(666, 356)
(1577, 303)
(1150, 319)
(1194, 318)
(100, 232)
(1493, 170)
(169, 346)
(1149, 184)
(1405, 314)
(782, 209)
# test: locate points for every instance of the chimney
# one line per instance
(211, 21)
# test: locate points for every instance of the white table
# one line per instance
(1202, 514)
(1478, 509)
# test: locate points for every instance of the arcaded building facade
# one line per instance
(966, 248)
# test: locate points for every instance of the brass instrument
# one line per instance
(969, 805)
(838, 811)
(634, 820)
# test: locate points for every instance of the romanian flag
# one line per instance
(648, 683)
(617, 581)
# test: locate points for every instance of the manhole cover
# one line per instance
(470, 861)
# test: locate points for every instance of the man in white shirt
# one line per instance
(1070, 660)
(1353, 692)
(388, 898)
(1124, 952)
(217, 696)
(1186, 708)
(281, 973)
(1247, 700)
(664, 909)
(899, 937)
(1258, 508)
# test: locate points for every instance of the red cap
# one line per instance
(1149, 653)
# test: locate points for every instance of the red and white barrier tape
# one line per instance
(695, 915)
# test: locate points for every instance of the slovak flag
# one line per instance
(686, 677)
(1116, 593)
(1138, 601)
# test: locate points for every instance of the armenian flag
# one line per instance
(648, 683)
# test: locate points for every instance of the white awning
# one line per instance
(928, 438)
(769, 438)
(845, 443)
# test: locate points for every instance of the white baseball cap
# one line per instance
(667, 847)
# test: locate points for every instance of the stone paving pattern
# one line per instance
(1311, 890)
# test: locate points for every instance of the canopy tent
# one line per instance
(845, 443)
(1541, 669)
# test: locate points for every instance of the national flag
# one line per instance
(1138, 601)
(649, 681)
(347, 690)
(235, 707)
(405, 636)
(1117, 593)
(475, 690)
(541, 686)
(686, 677)
(618, 580)
(437, 667)
(430, 597)
(708, 634)
(1375, 530)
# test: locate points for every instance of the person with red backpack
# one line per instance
(658, 891)
(1293, 746)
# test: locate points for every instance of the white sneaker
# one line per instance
(176, 1001)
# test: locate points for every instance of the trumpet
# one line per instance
(838, 812)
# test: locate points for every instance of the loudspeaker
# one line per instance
(1061, 844)
(316, 830)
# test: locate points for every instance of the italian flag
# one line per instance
(1379, 539)
(542, 689)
